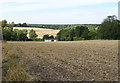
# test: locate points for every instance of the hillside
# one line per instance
(40, 31)
(61, 61)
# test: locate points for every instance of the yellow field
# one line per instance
(40, 31)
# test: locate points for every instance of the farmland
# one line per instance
(40, 31)
(61, 61)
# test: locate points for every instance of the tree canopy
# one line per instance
(14, 35)
(72, 34)
(109, 29)
(4, 23)
(32, 34)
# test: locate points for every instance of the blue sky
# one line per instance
(57, 11)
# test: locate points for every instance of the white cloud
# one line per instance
(79, 1)
(68, 17)
(73, 16)
(48, 4)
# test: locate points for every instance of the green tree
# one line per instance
(19, 25)
(72, 34)
(14, 35)
(63, 34)
(78, 38)
(7, 34)
(92, 34)
(85, 34)
(79, 30)
(24, 25)
(32, 34)
(109, 29)
(21, 35)
(52, 37)
(4, 23)
(45, 36)
(59, 34)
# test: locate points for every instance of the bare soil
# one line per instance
(68, 61)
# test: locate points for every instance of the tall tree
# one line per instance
(32, 34)
(4, 23)
(79, 30)
(7, 34)
(109, 29)
(21, 35)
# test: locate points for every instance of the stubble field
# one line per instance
(39, 31)
(64, 61)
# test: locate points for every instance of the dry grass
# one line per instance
(13, 69)
(81, 60)
(40, 31)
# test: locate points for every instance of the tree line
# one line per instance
(10, 34)
(12, 24)
(18, 35)
(108, 29)
(76, 33)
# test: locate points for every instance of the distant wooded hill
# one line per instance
(53, 26)
(61, 26)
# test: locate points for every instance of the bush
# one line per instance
(77, 38)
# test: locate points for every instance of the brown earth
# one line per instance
(68, 61)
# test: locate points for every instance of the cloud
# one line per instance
(64, 1)
(10, 10)
(17, 1)
(48, 4)
(68, 17)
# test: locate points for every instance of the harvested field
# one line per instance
(39, 31)
(68, 61)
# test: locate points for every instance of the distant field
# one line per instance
(74, 61)
(40, 31)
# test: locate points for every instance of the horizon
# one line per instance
(57, 12)
(60, 24)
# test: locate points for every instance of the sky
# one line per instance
(57, 11)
